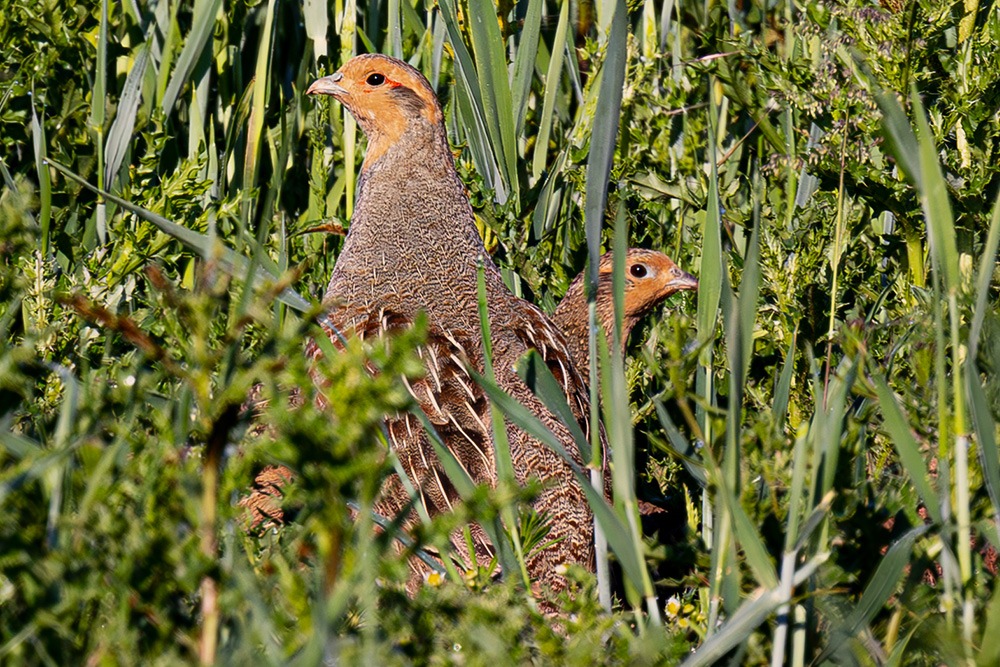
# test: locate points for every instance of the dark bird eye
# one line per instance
(638, 270)
(375, 79)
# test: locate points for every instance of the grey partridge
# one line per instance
(413, 247)
(650, 277)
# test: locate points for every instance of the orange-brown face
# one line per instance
(385, 96)
(650, 277)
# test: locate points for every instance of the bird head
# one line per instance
(386, 96)
(650, 277)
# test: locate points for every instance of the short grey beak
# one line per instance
(682, 280)
(327, 86)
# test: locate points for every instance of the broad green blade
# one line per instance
(907, 447)
(532, 369)
(491, 67)
(936, 202)
(120, 134)
(552, 80)
(747, 618)
(202, 27)
(882, 584)
(603, 140)
(44, 182)
(524, 63)
(899, 134)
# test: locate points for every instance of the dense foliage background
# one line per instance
(819, 420)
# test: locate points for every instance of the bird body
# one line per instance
(413, 247)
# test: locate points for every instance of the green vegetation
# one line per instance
(819, 419)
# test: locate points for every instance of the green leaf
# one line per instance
(605, 134)
(532, 369)
(524, 63)
(899, 135)
(616, 533)
(44, 182)
(491, 67)
(936, 202)
(202, 26)
(552, 81)
(120, 135)
(906, 446)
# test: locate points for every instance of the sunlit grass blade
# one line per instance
(532, 369)
(501, 444)
(98, 109)
(982, 418)
(317, 22)
(524, 63)
(491, 67)
(552, 81)
(120, 134)
(783, 387)
(202, 26)
(44, 181)
(487, 153)
(747, 618)
(465, 486)
(605, 134)
(681, 447)
(255, 124)
(899, 133)
(936, 202)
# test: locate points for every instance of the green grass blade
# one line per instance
(98, 110)
(906, 446)
(501, 443)
(460, 478)
(524, 63)
(984, 279)
(202, 27)
(984, 424)
(491, 66)
(881, 585)
(475, 115)
(255, 124)
(935, 200)
(680, 446)
(552, 80)
(532, 369)
(44, 181)
(604, 137)
(899, 136)
(316, 15)
(783, 387)
(120, 135)
(747, 618)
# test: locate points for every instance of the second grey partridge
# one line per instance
(650, 277)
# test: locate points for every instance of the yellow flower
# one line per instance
(433, 579)
(673, 607)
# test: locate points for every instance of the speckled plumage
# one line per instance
(650, 277)
(413, 246)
